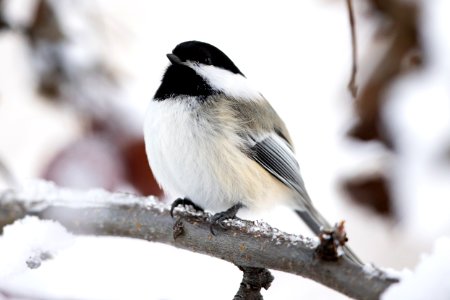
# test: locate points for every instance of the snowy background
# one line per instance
(299, 54)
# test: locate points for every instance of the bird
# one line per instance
(215, 142)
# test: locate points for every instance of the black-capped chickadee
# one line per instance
(211, 137)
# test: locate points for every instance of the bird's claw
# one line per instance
(219, 217)
(185, 202)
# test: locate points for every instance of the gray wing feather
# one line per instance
(274, 152)
(279, 160)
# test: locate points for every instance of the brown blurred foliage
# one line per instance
(3, 23)
(46, 29)
(371, 191)
(110, 154)
(136, 168)
(398, 28)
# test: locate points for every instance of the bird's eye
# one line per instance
(207, 61)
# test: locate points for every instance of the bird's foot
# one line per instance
(185, 202)
(218, 218)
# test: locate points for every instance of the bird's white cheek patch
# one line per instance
(233, 85)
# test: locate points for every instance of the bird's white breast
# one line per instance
(191, 158)
(177, 146)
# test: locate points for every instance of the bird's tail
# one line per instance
(316, 222)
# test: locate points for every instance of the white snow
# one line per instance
(25, 241)
(371, 270)
(38, 194)
(85, 267)
(429, 280)
(263, 229)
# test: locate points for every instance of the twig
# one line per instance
(353, 88)
(252, 281)
(244, 243)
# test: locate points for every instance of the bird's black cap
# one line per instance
(181, 80)
(204, 53)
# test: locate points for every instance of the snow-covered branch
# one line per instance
(244, 243)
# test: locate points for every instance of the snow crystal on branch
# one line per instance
(37, 195)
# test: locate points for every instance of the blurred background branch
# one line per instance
(352, 86)
(398, 31)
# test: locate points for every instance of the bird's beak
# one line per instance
(175, 60)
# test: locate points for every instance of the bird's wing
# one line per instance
(275, 155)
(269, 142)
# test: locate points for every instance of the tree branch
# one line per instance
(353, 88)
(244, 243)
(252, 281)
